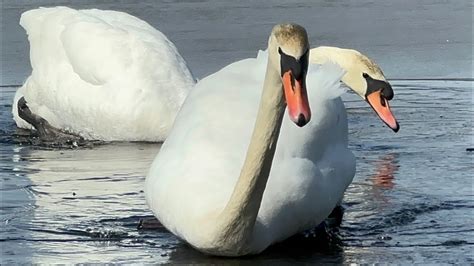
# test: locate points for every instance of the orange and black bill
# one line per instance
(378, 94)
(382, 108)
(293, 73)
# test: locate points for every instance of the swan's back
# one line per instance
(195, 172)
(102, 74)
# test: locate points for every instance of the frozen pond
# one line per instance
(411, 200)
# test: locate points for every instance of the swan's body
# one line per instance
(102, 75)
(196, 173)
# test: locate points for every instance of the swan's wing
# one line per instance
(97, 51)
(99, 45)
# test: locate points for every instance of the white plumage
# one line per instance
(102, 74)
(198, 166)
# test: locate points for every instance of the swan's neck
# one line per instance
(237, 220)
(345, 58)
(352, 61)
(324, 54)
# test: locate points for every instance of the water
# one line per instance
(412, 197)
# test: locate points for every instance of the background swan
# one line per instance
(194, 184)
(102, 74)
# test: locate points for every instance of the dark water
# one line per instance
(411, 200)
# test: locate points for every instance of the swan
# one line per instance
(107, 75)
(102, 75)
(228, 191)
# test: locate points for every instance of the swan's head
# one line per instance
(366, 78)
(377, 93)
(288, 50)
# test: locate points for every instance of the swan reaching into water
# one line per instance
(227, 180)
(363, 76)
(106, 75)
(102, 75)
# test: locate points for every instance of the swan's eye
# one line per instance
(280, 51)
(365, 75)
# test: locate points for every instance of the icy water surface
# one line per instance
(412, 196)
(411, 200)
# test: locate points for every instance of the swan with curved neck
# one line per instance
(363, 76)
(229, 231)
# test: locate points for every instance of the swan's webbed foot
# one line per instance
(43, 128)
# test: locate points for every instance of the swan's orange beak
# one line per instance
(382, 108)
(296, 99)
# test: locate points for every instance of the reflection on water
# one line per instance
(385, 169)
(410, 200)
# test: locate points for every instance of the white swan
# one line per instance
(206, 184)
(102, 75)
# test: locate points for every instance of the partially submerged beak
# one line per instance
(296, 99)
(382, 108)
